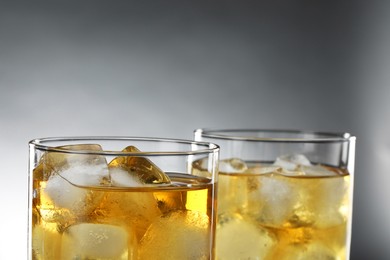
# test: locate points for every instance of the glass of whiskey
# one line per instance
(282, 194)
(121, 198)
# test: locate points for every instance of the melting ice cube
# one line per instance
(233, 165)
(291, 162)
(94, 241)
(177, 235)
(239, 238)
(140, 170)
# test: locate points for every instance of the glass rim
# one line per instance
(322, 137)
(41, 144)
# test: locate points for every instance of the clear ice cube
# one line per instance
(177, 235)
(239, 238)
(140, 169)
(94, 241)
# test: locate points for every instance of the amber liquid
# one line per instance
(137, 223)
(273, 216)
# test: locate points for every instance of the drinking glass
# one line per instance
(121, 198)
(283, 194)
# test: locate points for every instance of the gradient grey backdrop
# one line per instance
(164, 68)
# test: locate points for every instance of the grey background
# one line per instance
(164, 68)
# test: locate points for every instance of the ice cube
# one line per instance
(61, 188)
(178, 235)
(305, 201)
(45, 209)
(135, 210)
(46, 241)
(121, 178)
(171, 201)
(240, 192)
(279, 196)
(233, 165)
(139, 168)
(332, 201)
(67, 171)
(50, 162)
(94, 241)
(239, 238)
(291, 162)
(304, 194)
(85, 174)
(200, 168)
(234, 191)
